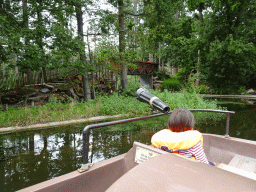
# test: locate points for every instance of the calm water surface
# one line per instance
(27, 158)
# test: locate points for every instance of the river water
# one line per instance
(27, 158)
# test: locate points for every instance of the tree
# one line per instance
(121, 42)
(79, 16)
(230, 44)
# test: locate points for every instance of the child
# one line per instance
(180, 137)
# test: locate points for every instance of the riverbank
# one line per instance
(61, 123)
(35, 117)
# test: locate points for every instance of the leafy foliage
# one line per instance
(172, 84)
(221, 45)
(230, 61)
(133, 86)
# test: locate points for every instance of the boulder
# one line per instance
(249, 91)
(249, 102)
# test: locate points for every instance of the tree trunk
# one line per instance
(25, 25)
(200, 9)
(90, 56)
(44, 75)
(79, 17)
(150, 57)
(121, 43)
(135, 9)
(40, 42)
(3, 69)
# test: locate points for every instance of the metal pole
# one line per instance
(85, 151)
(227, 125)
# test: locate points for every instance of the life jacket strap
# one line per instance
(164, 148)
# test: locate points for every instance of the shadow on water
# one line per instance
(27, 158)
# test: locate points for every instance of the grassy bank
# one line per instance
(105, 105)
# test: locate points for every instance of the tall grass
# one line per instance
(105, 105)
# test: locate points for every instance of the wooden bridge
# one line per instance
(143, 68)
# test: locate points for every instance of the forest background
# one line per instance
(211, 42)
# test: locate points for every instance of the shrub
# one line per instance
(172, 84)
(192, 87)
(241, 89)
(131, 88)
(203, 89)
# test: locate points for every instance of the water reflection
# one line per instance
(28, 158)
(242, 123)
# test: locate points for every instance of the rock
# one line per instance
(32, 94)
(45, 90)
(249, 91)
(249, 102)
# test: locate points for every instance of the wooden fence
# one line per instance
(13, 80)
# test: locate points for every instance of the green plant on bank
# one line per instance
(191, 101)
(192, 87)
(242, 89)
(172, 84)
(132, 87)
(104, 105)
(232, 90)
(162, 76)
